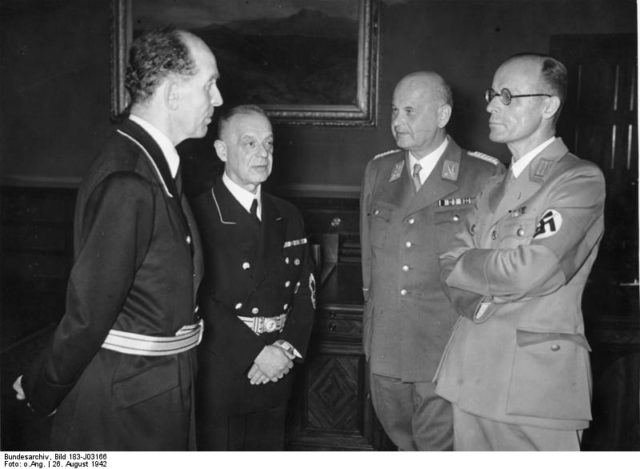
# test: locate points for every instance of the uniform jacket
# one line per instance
(522, 357)
(253, 269)
(137, 267)
(407, 317)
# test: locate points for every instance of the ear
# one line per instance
(551, 107)
(171, 94)
(221, 149)
(444, 114)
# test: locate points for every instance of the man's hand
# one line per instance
(271, 364)
(256, 376)
(17, 387)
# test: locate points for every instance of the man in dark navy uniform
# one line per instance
(257, 296)
(119, 372)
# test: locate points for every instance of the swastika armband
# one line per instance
(548, 225)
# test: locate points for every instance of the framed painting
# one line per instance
(303, 61)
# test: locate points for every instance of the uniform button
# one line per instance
(238, 305)
(246, 266)
(285, 306)
(255, 310)
(405, 268)
(408, 244)
(376, 212)
(296, 261)
(188, 239)
(494, 235)
(520, 232)
(197, 308)
(456, 218)
(297, 284)
(287, 283)
(412, 221)
(403, 292)
(555, 347)
(286, 260)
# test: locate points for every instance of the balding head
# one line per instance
(552, 74)
(421, 109)
(429, 83)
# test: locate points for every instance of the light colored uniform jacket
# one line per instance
(518, 353)
(407, 317)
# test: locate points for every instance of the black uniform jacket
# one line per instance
(252, 269)
(137, 266)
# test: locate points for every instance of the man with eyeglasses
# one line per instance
(517, 365)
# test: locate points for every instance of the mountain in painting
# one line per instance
(307, 58)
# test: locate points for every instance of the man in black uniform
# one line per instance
(257, 296)
(119, 371)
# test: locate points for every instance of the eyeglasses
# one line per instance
(506, 96)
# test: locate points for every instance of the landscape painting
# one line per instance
(303, 61)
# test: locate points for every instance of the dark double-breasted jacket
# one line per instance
(253, 269)
(137, 268)
(407, 317)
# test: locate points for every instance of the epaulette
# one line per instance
(483, 156)
(380, 155)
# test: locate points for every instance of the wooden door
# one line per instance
(599, 123)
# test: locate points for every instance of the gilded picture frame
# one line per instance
(309, 62)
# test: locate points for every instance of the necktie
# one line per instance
(254, 209)
(416, 176)
(178, 181)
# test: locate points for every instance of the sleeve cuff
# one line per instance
(289, 349)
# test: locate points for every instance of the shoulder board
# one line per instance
(380, 155)
(485, 157)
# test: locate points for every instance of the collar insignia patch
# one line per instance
(450, 170)
(397, 171)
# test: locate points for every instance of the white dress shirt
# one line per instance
(242, 195)
(168, 150)
(427, 162)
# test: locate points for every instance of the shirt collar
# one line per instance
(168, 150)
(518, 166)
(242, 195)
(429, 161)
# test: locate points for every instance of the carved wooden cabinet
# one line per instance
(331, 407)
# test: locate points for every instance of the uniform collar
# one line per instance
(517, 167)
(243, 196)
(168, 149)
(427, 162)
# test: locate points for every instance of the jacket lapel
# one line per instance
(395, 187)
(512, 193)
(238, 223)
(442, 181)
(140, 135)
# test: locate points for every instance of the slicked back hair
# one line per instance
(153, 56)
(243, 109)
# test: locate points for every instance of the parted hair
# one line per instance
(153, 56)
